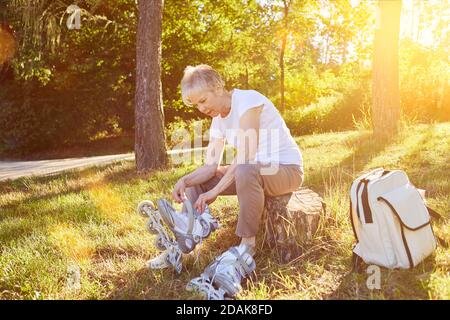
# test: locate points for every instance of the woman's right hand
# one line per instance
(178, 191)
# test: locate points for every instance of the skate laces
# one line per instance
(182, 222)
(197, 255)
(174, 256)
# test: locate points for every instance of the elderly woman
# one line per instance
(268, 161)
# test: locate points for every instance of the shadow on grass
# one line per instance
(141, 283)
(127, 176)
(23, 217)
(394, 284)
(427, 163)
(22, 185)
(150, 285)
(365, 148)
(167, 284)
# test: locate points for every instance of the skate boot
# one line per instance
(222, 278)
(189, 228)
(171, 255)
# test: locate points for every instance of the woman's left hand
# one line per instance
(204, 199)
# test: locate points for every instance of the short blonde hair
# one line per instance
(199, 78)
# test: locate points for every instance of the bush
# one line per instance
(424, 82)
(332, 113)
(31, 122)
(345, 104)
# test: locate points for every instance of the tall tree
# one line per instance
(385, 82)
(285, 30)
(150, 142)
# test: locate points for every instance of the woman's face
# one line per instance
(207, 102)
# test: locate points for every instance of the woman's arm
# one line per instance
(247, 146)
(204, 173)
(208, 170)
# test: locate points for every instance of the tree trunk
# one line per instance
(385, 85)
(8, 43)
(150, 142)
(282, 51)
(290, 223)
(283, 46)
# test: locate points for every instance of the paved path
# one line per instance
(10, 170)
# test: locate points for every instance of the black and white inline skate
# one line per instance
(222, 278)
(187, 229)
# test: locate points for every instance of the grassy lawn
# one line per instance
(86, 219)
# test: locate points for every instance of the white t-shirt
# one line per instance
(276, 144)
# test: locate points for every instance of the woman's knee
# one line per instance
(246, 173)
(245, 170)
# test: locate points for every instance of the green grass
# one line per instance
(86, 219)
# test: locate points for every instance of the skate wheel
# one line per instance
(151, 228)
(159, 243)
(145, 206)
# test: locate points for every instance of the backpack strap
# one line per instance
(241, 261)
(352, 222)
(365, 202)
(442, 242)
(358, 264)
(437, 217)
(357, 197)
(434, 214)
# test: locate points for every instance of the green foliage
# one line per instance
(237, 42)
(73, 86)
(343, 108)
(84, 89)
(424, 82)
(313, 118)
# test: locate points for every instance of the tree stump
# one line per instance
(290, 222)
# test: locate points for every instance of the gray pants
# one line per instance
(251, 187)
